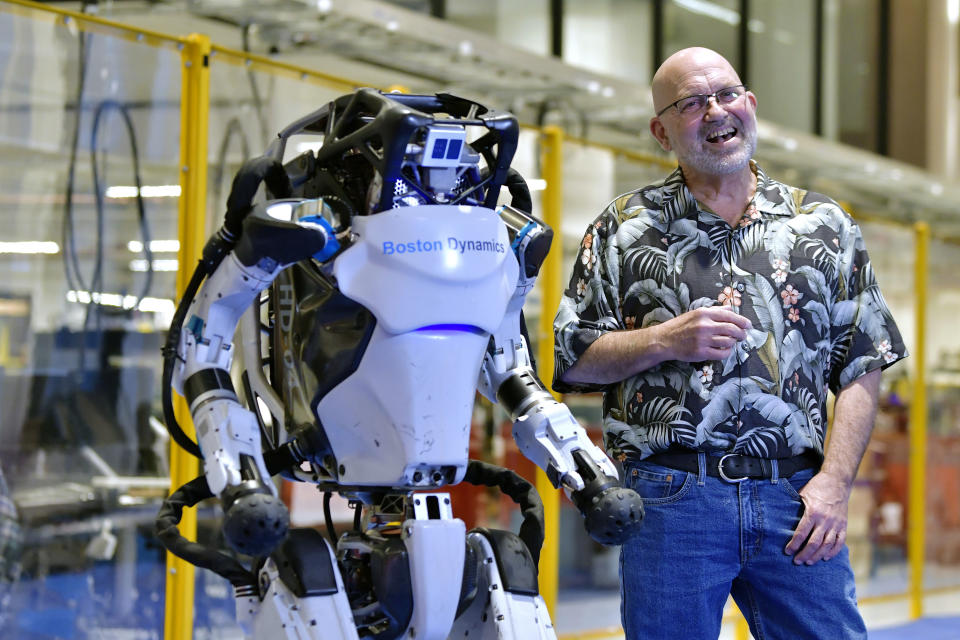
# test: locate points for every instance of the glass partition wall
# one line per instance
(89, 128)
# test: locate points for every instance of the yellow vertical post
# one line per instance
(916, 536)
(741, 630)
(551, 284)
(194, 115)
(5, 359)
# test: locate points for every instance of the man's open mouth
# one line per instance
(722, 135)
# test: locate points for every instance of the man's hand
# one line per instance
(707, 333)
(822, 530)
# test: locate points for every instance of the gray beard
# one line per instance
(714, 165)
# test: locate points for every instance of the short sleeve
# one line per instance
(863, 334)
(590, 304)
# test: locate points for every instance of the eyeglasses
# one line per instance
(694, 104)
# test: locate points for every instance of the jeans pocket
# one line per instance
(656, 484)
(792, 485)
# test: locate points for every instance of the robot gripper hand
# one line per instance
(254, 520)
(547, 433)
(611, 513)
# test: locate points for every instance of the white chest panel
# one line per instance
(438, 264)
(438, 280)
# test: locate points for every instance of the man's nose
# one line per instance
(713, 107)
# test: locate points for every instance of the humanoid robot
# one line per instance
(394, 288)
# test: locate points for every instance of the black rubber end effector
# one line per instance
(256, 523)
(613, 516)
(611, 513)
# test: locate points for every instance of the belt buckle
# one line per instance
(723, 475)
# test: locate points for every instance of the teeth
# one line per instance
(722, 132)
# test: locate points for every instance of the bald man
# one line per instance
(714, 310)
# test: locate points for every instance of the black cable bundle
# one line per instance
(521, 492)
(171, 512)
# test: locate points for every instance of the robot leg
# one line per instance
(506, 603)
(434, 541)
(300, 594)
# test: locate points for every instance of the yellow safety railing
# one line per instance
(93, 24)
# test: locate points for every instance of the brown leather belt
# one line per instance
(734, 467)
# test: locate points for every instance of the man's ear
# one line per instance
(658, 131)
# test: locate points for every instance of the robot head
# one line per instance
(382, 151)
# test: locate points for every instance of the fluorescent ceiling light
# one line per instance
(156, 246)
(30, 247)
(14, 307)
(157, 305)
(711, 10)
(536, 184)
(147, 191)
(158, 265)
(150, 305)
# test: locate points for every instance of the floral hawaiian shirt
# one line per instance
(795, 265)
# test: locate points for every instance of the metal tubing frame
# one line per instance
(916, 534)
(551, 284)
(194, 121)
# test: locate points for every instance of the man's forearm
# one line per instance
(706, 333)
(617, 355)
(853, 417)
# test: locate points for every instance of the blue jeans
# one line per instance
(704, 538)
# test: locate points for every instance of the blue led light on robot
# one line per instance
(468, 328)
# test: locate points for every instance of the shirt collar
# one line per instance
(677, 202)
(773, 197)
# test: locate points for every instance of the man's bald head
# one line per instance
(716, 136)
(683, 68)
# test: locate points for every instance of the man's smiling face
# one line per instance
(717, 140)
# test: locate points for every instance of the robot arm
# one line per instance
(545, 430)
(272, 236)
